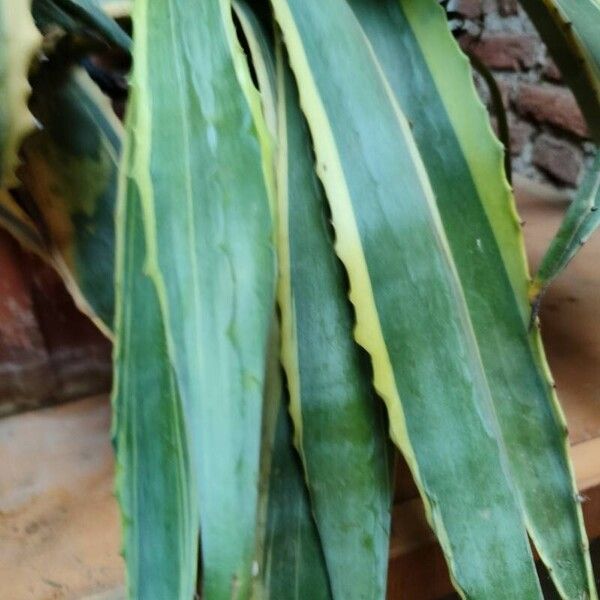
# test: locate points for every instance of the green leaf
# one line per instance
(574, 48)
(19, 40)
(71, 173)
(18, 223)
(290, 556)
(204, 191)
(116, 8)
(584, 16)
(411, 313)
(498, 109)
(294, 562)
(332, 399)
(340, 424)
(262, 61)
(77, 16)
(581, 220)
(464, 165)
(155, 485)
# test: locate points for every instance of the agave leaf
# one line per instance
(498, 109)
(574, 48)
(289, 553)
(464, 165)
(584, 16)
(332, 399)
(154, 483)
(411, 313)
(116, 9)
(341, 429)
(261, 51)
(18, 223)
(71, 173)
(581, 220)
(74, 16)
(204, 191)
(19, 40)
(293, 562)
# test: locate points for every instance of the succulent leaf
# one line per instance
(19, 41)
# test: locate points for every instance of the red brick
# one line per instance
(553, 105)
(551, 72)
(484, 91)
(558, 158)
(503, 51)
(26, 379)
(80, 355)
(507, 8)
(471, 9)
(49, 351)
(520, 133)
(505, 91)
(17, 321)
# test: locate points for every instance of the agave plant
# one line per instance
(317, 186)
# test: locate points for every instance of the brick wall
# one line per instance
(49, 352)
(549, 139)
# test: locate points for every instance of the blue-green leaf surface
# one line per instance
(290, 556)
(341, 428)
(574, 46)
(411, 312)
(155, 486)
(584, 17)
(76, 16)
(432, 82)
(71, 173)
(581, 220)
(205, 194)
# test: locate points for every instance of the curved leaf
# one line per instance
(75, 16)
(581, 220)
(289, 550)
(578, 67)
(498, 110)
(294, 563)
(198, 165)
(341, 430)
(411, 313)
(116, 8)
(290, 553)
(14, 220)
(262, 62)
(154, 483)
(464, 165)
(19, 40)
(332, 399)
(584, 16)
(71, 173)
